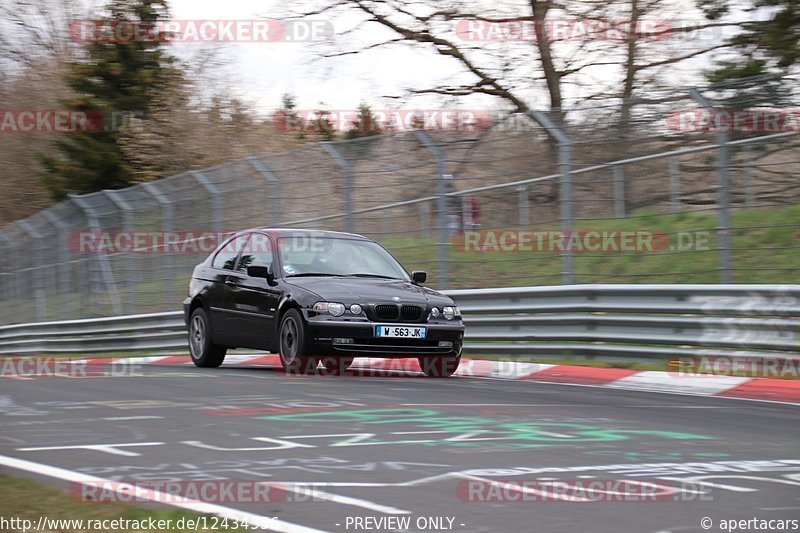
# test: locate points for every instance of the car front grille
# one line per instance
(387, 312)
(410, 313)
(406, 313)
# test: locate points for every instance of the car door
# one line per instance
(254, 302)
(223, 323)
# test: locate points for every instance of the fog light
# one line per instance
(445, 344)
(348, 341)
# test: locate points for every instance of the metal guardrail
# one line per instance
(631, 322)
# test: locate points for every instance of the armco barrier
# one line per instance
(632, 322)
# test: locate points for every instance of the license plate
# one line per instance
(402, 332)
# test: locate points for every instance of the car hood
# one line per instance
(366, 291)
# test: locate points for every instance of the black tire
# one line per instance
(439, 367)
(205, 353)
(292, 339)
(336, 365)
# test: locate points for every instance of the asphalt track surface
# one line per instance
(394, 446)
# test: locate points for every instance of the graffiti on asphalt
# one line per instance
(439, 429)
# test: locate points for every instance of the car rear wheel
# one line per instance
(293, 345)
(204, 353)
(439, 367)
(337, 365)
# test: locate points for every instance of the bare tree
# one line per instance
(519, 49)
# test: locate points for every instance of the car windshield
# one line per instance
(332, 256)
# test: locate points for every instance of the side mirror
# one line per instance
(261, 272)
(419, 276)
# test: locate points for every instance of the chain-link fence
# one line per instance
(690, 186)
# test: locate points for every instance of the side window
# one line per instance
(226, 257)
(258, 253)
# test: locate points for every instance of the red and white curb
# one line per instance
(775, 390)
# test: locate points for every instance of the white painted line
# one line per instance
(239, 359)
(121, 418)
(671, 382)
(488, 404)
(305, 489)
(254, 520)
(107, 448)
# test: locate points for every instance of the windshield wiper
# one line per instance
(381, 276)
(309, 274)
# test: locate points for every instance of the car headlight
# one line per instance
(355, 309)
(451, 312)
(332, 308)
(435, 312)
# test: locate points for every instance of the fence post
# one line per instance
(39, 296)
(12, 283)
(168, 217)
(62, 275)
(216, 199)
(274, 189)
(724, 197)
(443, 236)
(133, 275)
(674, 184)
(102, 259)
(524, 206)
(348, 183)
(565, 191)
(619, 191)
(749, 192)
(425, 220)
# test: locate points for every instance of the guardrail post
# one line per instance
(443, 236)
(619, 191)
(674, 184)
(102, 259)
(274, 189)
(565, 192)
(168, 217)
(348, 183)
(724, 197)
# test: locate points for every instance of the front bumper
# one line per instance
(322, 332)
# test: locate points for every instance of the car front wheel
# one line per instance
(439, 367)
(204, 353)
(293, 345)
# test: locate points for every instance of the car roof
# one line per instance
(293, 232)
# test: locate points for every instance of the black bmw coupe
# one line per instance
(317, 297)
